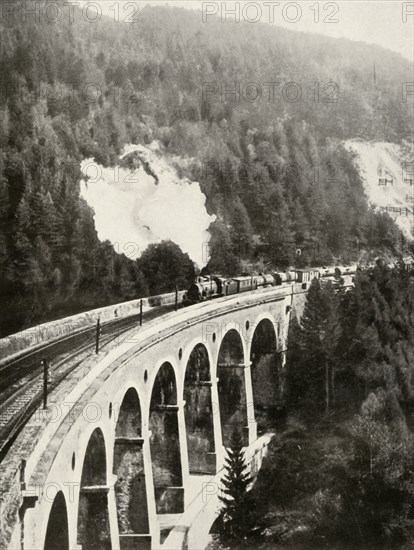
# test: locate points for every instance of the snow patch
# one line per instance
(388, 180)
(137, 207)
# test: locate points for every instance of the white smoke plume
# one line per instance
(136, 207)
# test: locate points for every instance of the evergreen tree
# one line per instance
(238, 507)
(300, 223)
(312, 361)
(281, 239)
(224, 259)
(241, 229)
(375, 478)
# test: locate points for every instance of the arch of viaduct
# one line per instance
(151, 414)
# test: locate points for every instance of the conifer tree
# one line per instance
(281, 238)
(242, 228)
(317, 342)
(238, 507)
(375, 478)
(224, 259)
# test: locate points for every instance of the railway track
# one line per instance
(21, 379)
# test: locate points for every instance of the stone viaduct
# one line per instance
(131, 442)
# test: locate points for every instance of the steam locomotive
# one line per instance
(206, 288)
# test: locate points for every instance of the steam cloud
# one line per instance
(135, 207)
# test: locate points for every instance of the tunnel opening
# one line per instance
(199, 413)
(130, 486)
(232, 388)
(266, 369)
(93, 517)
(57, 533)
(165, 443)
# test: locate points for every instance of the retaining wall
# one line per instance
(48, 332)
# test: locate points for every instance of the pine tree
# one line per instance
(223, 258)
(242, 229)
(300, 223)
(378, 468)
(238, 507)
(281, 238)
(318, 341)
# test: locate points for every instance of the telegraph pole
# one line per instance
(98, 334)
(45, 377)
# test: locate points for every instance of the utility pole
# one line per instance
(176, 297)
(140, 313)
(45, 377)
(23, 474)
(98, 334)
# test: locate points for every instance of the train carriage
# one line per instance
(245, 284)
(227, 287)
(264, 280)
(306, 276)
(282, 277)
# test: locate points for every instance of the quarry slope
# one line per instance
(388, 180)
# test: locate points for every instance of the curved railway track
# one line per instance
(21, 378)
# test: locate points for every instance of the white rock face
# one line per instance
(133, 209)
(382, 161)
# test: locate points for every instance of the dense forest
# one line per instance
(340, 469)
(273, 170)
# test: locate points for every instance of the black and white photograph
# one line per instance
(206, 275)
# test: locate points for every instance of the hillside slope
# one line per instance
(388, 180)
(273, 171)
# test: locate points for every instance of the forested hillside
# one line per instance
(341, 472)
(273, 170)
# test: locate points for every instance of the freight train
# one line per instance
(206, 288)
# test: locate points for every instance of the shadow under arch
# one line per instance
(198, 413)
(130, 486)
(232, 387)
(57, 532)
(165, 443)
(93, 517)
(266, 373)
